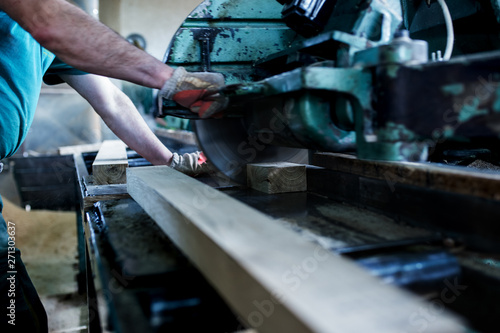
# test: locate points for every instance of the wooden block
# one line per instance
(278, 177)
(110, 164)
(274, 279)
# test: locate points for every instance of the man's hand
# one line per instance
(197, 91)
(204, 102)
(190, 164)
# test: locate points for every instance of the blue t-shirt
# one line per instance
(23, 64)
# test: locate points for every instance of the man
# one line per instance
(29, 29)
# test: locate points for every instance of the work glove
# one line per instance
(197, 91)
(191, 164)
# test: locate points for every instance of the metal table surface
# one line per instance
(147, 284)
(354, 213)
(134, 278)
(348, 213)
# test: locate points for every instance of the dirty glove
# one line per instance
(204, 102)
(190, 163)
(196, 91)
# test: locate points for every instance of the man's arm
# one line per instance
(121, 116)
(85, 43)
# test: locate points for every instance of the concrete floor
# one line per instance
(47, 241)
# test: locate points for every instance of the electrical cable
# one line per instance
(450, 39)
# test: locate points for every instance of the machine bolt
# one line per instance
(402, 34)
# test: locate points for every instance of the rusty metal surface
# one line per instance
(123, 219)
(330, 224)
(148, 284)
(479, 183)
(361, 216)
(416, 195)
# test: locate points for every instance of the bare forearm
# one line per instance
(83, 42)
(121, 116)
(131, 128)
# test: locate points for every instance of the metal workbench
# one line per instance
(370, 212)
(134, 278)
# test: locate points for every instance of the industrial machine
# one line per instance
(390, 80)
(394, 107)
(403, 92)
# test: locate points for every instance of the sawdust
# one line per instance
(48, 243)
(40, 234)
(480, 164)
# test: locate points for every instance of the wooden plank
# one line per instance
(278, 177)
(97, 193)
(111, 189)
(484, 184)
(110, 164)
(89, 201)
(78, 149)
(273, 278)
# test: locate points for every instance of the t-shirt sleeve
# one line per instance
(51, 76)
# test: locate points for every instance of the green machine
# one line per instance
(372, 77)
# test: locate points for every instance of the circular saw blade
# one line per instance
(229, 148)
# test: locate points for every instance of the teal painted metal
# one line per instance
(238, 9)
(374, 25)
(395, 132)
(472, 109)
(331, 101)
(233, 44)
(394, 142)
(238, 34)
(308, 94)
(353, 81)
(402, 50)
(496, 104)
(455, 89)
(496, 8)
(244, 32)
(312, 124)
(228, 36)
